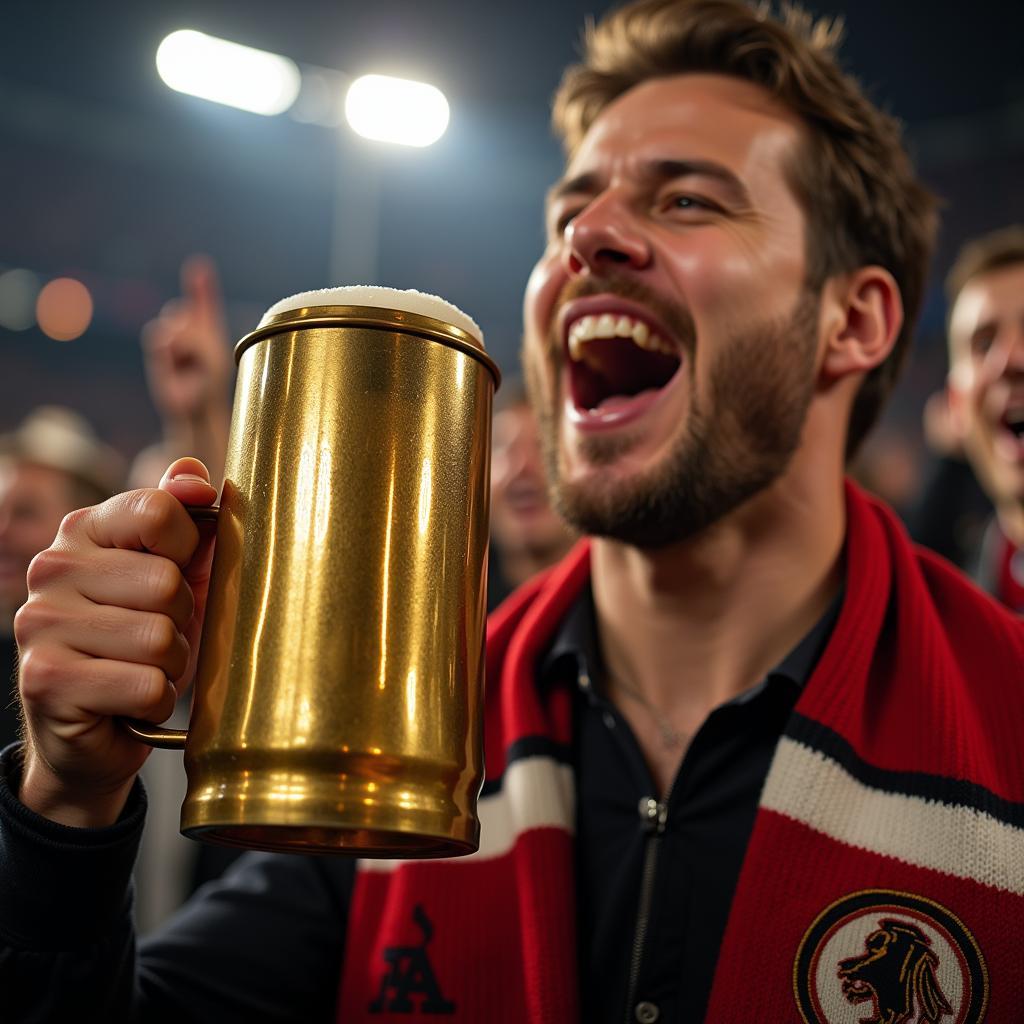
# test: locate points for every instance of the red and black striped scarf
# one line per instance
(885, 871)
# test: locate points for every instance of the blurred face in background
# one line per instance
(986, 380)
(33, 501)
(522, 519)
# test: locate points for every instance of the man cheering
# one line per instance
(750, 756)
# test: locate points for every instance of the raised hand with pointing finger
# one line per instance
(187, 355)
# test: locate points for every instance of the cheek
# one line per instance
(732, 278)
(542, 289)
(499, 473)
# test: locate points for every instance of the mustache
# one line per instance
(675, 317)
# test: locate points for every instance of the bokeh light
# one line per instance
(396, 110)
(225, 72)
(18, 291)
(64, 309)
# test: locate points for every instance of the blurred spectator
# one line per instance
(527, 534)
(189, 371)
(952, 510)
(985, 392)
(51, 464)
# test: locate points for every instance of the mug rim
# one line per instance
(400, 320)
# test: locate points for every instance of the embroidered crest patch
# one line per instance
(884, 957)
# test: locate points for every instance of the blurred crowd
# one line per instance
(963, 499)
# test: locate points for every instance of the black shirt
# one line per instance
(655, 879)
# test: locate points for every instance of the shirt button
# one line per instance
(646, 1013)
(609, 720)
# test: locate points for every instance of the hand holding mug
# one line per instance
(109, 630)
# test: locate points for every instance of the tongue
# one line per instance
(615, 402)
(614, 371)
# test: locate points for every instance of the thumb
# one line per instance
(189, 481)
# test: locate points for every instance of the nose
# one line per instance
(1006, 355)
(604, 235)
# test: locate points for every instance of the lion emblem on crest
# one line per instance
(896, 972)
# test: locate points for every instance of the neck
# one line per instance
(692, 625)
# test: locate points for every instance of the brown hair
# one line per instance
(863, 201)
(980, 255)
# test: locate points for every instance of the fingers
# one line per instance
(129, 691)
(125, 579)
(104, 688)
(103, 631)
(200, 288)
(188, 480)
(143, 520)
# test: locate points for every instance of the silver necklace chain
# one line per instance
(671, 737)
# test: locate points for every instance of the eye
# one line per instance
(564, 218)
(688, 203)
(981, 341)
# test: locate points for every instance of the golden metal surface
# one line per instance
(339, 691)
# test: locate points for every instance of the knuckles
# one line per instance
(31, 618)
(155, 511)
(164, 581)
(153, 698)
(73, 521)
(40, 672)
(49, 566)
(162, 639)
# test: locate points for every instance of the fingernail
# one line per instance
(191, 477)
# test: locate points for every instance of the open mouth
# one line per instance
(614, 358)
(1013, 421)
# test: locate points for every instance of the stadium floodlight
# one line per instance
(225, 72)
(396, 110)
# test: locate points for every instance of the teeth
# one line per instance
(608, 326)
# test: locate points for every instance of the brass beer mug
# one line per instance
(338, 696)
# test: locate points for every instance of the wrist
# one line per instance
(43, 793)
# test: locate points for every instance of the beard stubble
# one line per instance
(761, 386)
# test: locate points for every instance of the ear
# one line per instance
(862, 313)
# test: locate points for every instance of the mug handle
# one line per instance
(159, 735)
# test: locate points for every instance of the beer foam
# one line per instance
(409, 300)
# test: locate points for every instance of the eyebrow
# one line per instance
(657, 171)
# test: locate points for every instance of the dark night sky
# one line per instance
(107, 174)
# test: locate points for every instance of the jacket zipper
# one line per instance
(653, 814)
